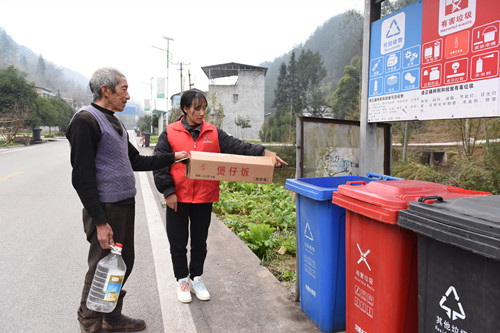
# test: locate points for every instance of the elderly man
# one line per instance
(103, 162)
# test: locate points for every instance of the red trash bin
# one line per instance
(381, 257)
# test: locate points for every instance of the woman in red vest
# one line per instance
(191, 200)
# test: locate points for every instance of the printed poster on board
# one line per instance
(443, 69)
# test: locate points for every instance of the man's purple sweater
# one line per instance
(114, 174)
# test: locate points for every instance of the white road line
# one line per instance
(175, 315)
(13, 150)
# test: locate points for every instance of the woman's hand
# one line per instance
(279, 161)
(181, 155)
(171, 201)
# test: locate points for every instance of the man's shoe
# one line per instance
(122, 323)
(199, 289)
(96, 327)
(183, 294)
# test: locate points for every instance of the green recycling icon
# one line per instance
(452, 314)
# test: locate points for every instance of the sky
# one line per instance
(84, 35)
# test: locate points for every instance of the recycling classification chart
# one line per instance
(446, 68)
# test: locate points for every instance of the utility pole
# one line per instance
(160, 120)
(190, 84)
(151, 108)
(182, 83)
(168, 63)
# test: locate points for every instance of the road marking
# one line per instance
(176, 316)
(13, 150)
(11, 175)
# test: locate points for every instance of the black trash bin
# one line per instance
(37, 134)
(147, 138)
(458, 263)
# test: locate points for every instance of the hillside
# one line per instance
(338, 40)
(68, 83)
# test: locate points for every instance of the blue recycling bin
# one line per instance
(321, 248)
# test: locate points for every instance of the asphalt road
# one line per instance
(41, 243)
(44, 250)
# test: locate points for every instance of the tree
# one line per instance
(345, 101)
(17, 98)
(243, 123)
(391, 6)
(44, 113)
(468, 131)
(265, 132)
(8, 49)
(281, 93)
(287, 95)
(175, 114)
(50, 112)
(318, 104)
(215, 111)
(41, 68)
(144, 124)
(272, 128)
(297, 89)
(155, 119)
(294, 89)
(311, 72)
(64, 113)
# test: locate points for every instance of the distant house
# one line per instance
(241, 95)
(44, 92)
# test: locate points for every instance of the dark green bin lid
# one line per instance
(471, 223)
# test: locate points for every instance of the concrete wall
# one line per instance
(250, 104)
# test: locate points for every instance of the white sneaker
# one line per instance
(183, 294)
(198, 288)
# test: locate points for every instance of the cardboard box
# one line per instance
(235, 168)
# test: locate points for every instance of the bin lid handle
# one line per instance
(433, 197)
(356, 182)
(404, 196)
(374, 175)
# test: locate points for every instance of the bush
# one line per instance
(263, 216)
(259, 238)
(471, 176)
(481, 174)
(415, 171)
(287, 153)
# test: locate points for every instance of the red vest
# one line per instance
(189, 190)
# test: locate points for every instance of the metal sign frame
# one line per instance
(387, 134)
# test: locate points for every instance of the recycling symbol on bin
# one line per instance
(452, 314)
(308, 233)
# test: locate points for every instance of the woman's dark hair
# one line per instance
(192, 96)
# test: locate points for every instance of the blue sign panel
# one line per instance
(395, 52)
(129, 110)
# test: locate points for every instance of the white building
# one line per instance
(240, 90)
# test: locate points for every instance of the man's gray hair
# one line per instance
(105, 76)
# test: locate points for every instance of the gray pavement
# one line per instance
(245, 296)
(44, 252)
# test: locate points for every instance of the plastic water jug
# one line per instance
(107, 282)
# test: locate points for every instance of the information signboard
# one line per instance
(444, 68)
